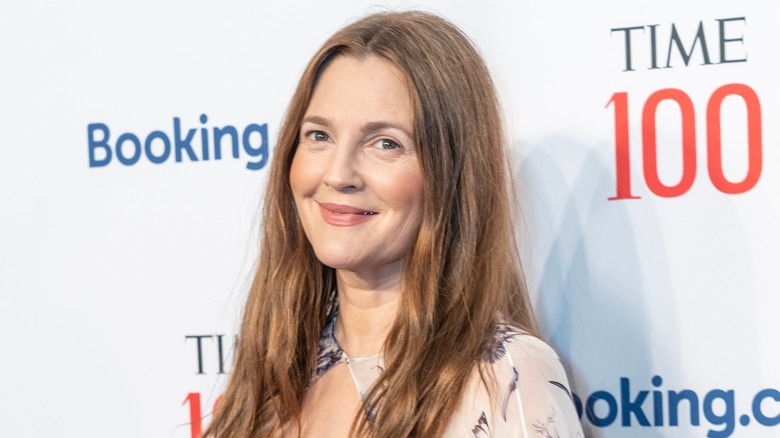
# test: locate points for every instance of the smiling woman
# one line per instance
(355, 176)
(389, 299)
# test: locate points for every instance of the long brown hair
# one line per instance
(462, 276)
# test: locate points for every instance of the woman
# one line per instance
(389, 299)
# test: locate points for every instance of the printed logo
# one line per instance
(674, 408)
(182, 144)
(732, 49)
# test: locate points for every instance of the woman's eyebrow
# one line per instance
(317, 120)
(367, 128)
(378, 126)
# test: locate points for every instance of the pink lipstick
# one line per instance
(344, 215)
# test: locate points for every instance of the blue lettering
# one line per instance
(93, 144)
(157, 159)
(718, 407)
(759, 414)
(124, 139)
(658, 404)
(632, 407)
(590, 410)
(183, 144)
(260, 151)
(204, 138)
(727, 419)
(218, 134)
(674, 402)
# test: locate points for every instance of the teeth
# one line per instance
(368, 213)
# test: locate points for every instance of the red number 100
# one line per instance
(714, 145)
(196, 418)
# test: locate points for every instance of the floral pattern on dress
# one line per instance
(547, 429)
(495, 348)
(482, 428)
(330, 352)
(563, 388)
(505, 344)
(512, 387)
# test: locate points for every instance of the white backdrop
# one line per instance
(121, 279)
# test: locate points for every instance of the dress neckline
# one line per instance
(364, 370)
(330, 333)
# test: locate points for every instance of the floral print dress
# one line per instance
(531, 398)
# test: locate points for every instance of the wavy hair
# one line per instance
(462, 276)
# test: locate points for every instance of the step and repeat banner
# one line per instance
(135, 139)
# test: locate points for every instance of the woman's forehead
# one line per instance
(367, 90)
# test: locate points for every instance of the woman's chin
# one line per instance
(339, 261)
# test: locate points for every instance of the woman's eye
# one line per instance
(317, 136)
(387, 145)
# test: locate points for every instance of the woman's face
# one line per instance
(355, 176)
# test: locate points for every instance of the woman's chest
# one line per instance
(331, 405)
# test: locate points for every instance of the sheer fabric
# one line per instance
(529, 397)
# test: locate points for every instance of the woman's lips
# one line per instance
(344, 215)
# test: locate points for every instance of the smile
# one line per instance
(344, 215)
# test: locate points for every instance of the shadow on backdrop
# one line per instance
(586, 274)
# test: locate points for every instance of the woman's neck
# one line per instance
(367, 309)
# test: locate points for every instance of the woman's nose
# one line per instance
(342, 172)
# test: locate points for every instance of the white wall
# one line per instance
(108, 273)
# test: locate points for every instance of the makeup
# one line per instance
(344, 215)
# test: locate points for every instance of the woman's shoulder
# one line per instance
(524, 393)
(526, 359)
(522, 350)
(518, 343)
